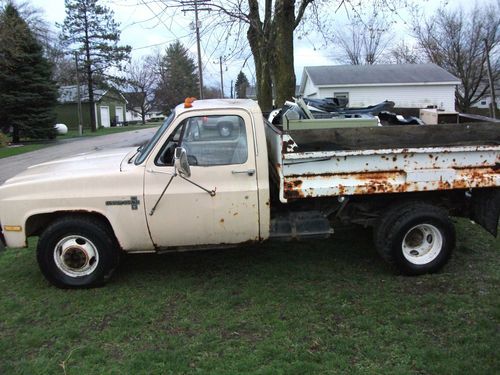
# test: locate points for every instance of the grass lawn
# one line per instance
(34, 145)
(284, 308)
(72, 133)
(12, 151)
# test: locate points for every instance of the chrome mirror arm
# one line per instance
(162, 193)
(210, 192)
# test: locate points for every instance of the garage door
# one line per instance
(105, 120)
(119, 114)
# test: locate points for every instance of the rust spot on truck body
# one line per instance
(384, 182)
(293, 189)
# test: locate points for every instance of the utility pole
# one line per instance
(232, 95)
(78, 97)
(221, 78)
(193, 6)
(493, 104)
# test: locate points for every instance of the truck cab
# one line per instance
(226, 199)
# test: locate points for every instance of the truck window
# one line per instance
(166, 154)
(209, 141)
(145, 150)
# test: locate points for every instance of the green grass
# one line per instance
(34, 145)
(284, 308)
(12, 151)
(72, 133)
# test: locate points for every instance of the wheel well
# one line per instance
(36, 224)
(367, 210)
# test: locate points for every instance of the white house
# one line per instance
(407, 85)
(486, 100)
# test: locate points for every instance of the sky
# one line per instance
(144, 33)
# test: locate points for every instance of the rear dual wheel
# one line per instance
(417, 238)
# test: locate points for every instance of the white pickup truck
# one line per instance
(218, 174)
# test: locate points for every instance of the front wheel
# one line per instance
(77, 252)
(417, 238)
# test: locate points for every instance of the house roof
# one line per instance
(377, 74)
(69, 94)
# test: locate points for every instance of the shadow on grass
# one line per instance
(349, 254)
(339, 255)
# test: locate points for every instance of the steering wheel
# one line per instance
(167, 157)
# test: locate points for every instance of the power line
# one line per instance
(161, 43)
(194, 5)
(160, 20)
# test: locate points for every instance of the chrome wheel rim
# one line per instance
(76, 256)
(422, 244)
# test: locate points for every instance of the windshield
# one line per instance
(146, 149)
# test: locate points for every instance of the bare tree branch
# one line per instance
(454, 41)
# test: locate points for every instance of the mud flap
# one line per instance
(2, 241)
(486, 209)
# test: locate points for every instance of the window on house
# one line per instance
(342, 98)
(483, 102)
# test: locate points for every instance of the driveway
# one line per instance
(13, 165)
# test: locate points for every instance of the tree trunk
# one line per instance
(90, 87)
(262, 68)
(264, 84)
(283, 67)
(15, 134)
(90, 83)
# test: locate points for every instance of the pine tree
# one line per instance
(27, 93)
(241, 85)
(90, 29)
(178, 78)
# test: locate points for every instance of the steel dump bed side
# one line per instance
(321, 163)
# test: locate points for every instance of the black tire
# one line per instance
(78, 240)
(415, 237)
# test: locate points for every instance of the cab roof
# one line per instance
(211, 104)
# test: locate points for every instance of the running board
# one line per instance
(300, 226)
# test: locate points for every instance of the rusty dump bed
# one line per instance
(341, 162)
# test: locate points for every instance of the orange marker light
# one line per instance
(188, 103)
(12, 228)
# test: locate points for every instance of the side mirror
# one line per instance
(181, 162)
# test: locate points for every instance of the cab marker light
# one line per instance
(188, 102)
(12, 228)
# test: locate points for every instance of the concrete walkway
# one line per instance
(13, 165)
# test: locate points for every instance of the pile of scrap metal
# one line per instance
(390, 118)
(333, 108)
(299, 110)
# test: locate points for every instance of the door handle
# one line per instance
(249, 172)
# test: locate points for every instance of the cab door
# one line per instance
(222, 160)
